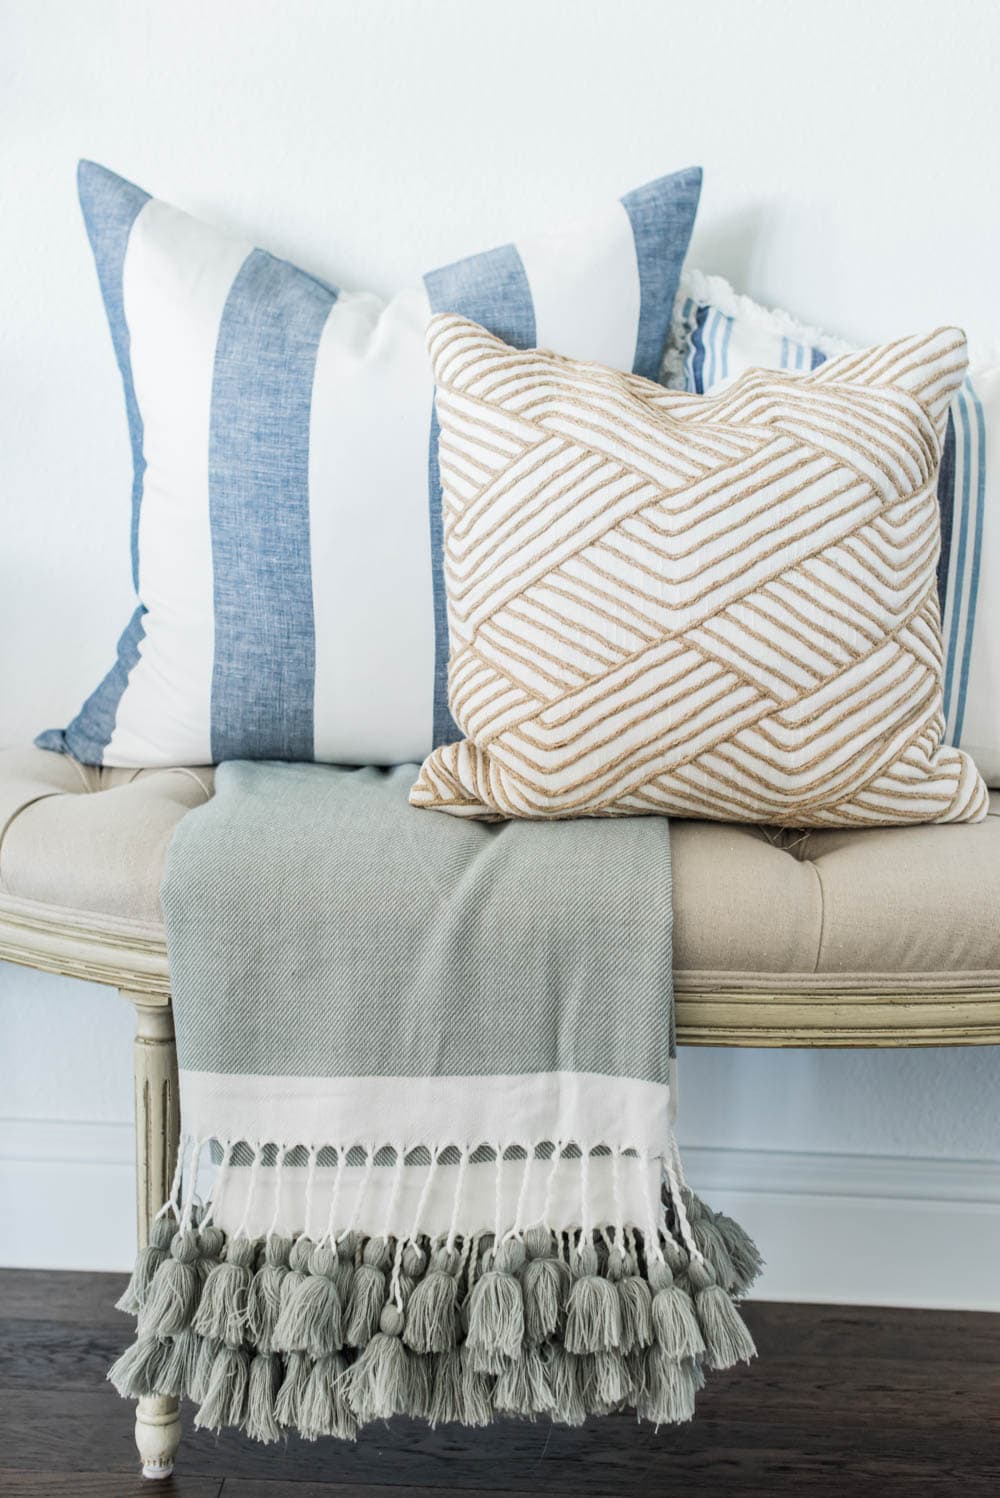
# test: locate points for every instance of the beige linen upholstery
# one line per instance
(755, 908)
(87, 839)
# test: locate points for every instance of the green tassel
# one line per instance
(211, 1242)
(593, 1309)
(539, 1243)
(344, 1272)
(635, 1300)
(413, 1261)
(138, 1369)
(743, 1252)
(447, 1402)
(225, 1400)
(693, 1205)
(324, 1410)
(379, 1383)
(288, 1405)
(668, 1391)
(431, 1309)
(147, 1262)
(522, 1388)
(496, 1310)
(635, 1368)
(221, 1312)
(477, 1393)
(310, 1317)
(202, 1368)
(606, 1381)
(726, 1336)
(262, 1393)
(172, 1298)
(544, 1285)
(677, 1258)
(421, 1384)
(675, 1325)
(178, 1372)
(564, 1376)
(298, 1270)
(712, 1246)
(264, 1295)
(487, 1361)
(367, 1294)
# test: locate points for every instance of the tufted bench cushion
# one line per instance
(90, 840)
(900, 910)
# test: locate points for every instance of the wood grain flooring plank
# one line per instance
(81, 1431)
(846, 1402)
(870, 1392)
(78, 1299)
(782, 1328)
(51, 1354)
(99, 1485)
(238, 1487)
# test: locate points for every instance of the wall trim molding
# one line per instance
(842, 1228)
(817, 1173)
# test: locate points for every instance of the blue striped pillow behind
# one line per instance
(286, 509)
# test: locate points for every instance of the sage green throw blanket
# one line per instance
(427, 1164)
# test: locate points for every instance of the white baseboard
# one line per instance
(70, 1185)
(847, 1229)
(862, 1229)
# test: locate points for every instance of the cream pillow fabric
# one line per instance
(717, 334)
(702, 606)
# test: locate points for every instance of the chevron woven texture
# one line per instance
(701, 606)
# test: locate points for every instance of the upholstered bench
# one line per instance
(885, 937)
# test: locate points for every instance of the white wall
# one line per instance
(851, 153)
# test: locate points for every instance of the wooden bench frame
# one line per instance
(712, 1009)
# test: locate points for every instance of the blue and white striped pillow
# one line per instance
(717, 334)
(286, 508)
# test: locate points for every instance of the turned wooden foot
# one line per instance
(157, 1131)
(157, 1434)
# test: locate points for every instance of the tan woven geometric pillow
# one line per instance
(704, 606)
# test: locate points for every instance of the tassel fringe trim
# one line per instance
(267, 1335)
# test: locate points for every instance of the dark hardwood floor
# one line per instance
(844, 1402)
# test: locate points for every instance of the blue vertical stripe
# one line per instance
(816, 358)
(443, 725)
(90, 732)
(662, 217)
(110, 208)
(697, 371)
(977, 550)
(725, 347)
(490, 289)
(690, 314)
(258, 460)
(714, 342)
(955, 601)
(946, 509)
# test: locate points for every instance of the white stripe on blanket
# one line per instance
(585, 1108)
(602, 1191)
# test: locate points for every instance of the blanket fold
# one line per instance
(427, 1164)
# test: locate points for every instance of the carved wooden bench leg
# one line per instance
(157, 1130)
